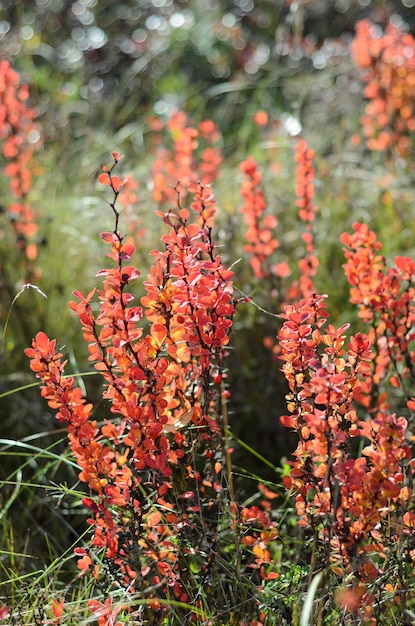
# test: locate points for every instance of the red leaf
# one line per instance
(90, 504)
(57, 608)
(405, 264)
(4, 612)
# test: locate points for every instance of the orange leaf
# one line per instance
(104, 178)
(181, 422)
(31, 251)
(261, 553)
(261, 118)
(218, 467)
(153, 519)
(108, 237)
(127, 251)
(116, 183)
(158, 332)
(267, 493)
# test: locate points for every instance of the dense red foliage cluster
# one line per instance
(304, 180)
(387, 62)
(165, 389)
(260, 238)
(193, 156)
(261, 242)
(385, 297)
(19, 136)
(349, 500)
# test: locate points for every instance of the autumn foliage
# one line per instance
(387, 64)
(193, 155)
(166, 519)
(157, 471)
(261, 242)
(19, 137)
